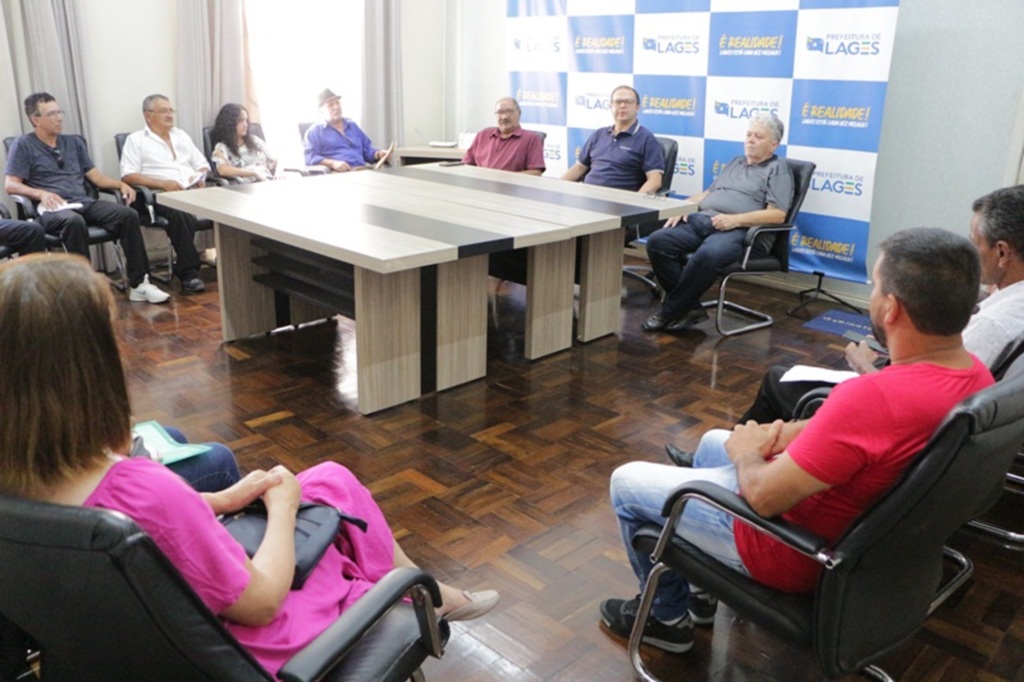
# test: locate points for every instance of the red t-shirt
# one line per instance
(858, 443)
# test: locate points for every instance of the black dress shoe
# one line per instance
(687, 321)
(655, 322)
(192, 285)
(681, 458)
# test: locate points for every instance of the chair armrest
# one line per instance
(790, 534)
(812, 399)
(217, 182)
(4, 213)
(147, 212)
(307, 170)
(756, 230)
(116, 193)
(324, 652)
(26, 207)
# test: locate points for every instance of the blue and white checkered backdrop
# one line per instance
(702, 68)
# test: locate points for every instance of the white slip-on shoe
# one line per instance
(147, 292)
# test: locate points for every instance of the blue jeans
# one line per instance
(687, 258)
(638, 492)
(209, 472)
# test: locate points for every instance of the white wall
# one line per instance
(123, 65)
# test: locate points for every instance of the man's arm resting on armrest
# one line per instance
(652, 184)
(771, 486)
(765, 216)
(140, 180)
(15, 185)
(575, 172)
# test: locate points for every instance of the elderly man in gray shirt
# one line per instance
(687, 255)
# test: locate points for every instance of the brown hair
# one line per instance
(63, 398)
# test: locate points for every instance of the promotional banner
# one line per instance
(703, 68)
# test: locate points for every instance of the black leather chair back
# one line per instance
(102, 602)
(255, 129)
(882, 591)
(119, 139)
(802, 172)
(303, 127)
(670, 149)
(4, 215)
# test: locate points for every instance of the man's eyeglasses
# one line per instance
(51, 114)
(623, 102)
(165, 110)
(504, 112)
(59, 157)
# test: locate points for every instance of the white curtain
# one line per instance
(211, 61)
(382, 72)
(43, 52)
(1015, 162)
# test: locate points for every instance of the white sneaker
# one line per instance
(147, 292)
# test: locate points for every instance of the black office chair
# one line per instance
(5, 252)
(97, 235)
(539, 133)
(255, 129)
(1009, 365)
(98, 600)
(881, 579)
(145, 206)
(636, 245)
(752, 265)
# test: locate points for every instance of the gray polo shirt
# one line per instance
(741, 188)
(61, 170)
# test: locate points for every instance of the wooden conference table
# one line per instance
(404, 252)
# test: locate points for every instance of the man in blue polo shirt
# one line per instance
(625, 155)
(337, 142)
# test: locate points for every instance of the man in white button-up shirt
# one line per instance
(163, 157)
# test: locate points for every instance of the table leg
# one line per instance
(549, 284)
(245, 307)
(461, 321)
(600, 285)
(387, 338)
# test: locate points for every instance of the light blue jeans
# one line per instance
(638, 492)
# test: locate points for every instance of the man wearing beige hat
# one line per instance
(336, 142)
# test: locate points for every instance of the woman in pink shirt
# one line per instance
(56, 342)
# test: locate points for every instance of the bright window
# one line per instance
(296, 49)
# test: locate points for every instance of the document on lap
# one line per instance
(819, 374)
(63, 207)
(161, 447)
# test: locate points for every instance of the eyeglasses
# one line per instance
(623, 102)
(51, 114)
(59, 157)
(165, 110)
(504, 112)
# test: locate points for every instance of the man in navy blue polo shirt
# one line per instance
(625, 155)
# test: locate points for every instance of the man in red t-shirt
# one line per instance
(823, 472)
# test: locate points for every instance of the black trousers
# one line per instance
(121, 221)
(181, 230)
(777, 399)
(21, 236)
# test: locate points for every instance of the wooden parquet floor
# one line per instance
(503, 483)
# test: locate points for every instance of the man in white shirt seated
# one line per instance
(163, 157)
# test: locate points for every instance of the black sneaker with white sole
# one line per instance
(702, 607)
(619, 615)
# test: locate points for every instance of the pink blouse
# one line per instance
(185, 529)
